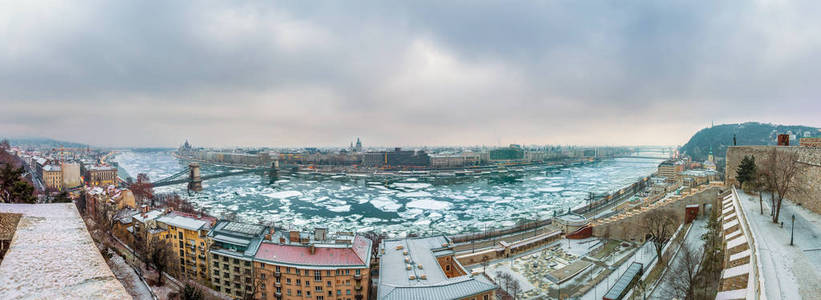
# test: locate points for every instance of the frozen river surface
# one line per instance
(396, 207)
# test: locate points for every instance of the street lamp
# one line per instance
(792, 229)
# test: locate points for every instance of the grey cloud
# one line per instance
(408, 73)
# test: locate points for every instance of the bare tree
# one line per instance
(160, 256)
(682, 278)
(780, 171)
(659, 226)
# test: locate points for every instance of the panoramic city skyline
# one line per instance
(322, 74)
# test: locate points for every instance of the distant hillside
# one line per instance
(750, 133)
(42, 142)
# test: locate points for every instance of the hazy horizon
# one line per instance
(295, 74)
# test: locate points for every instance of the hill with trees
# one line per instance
(719, 137)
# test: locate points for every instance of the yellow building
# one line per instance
(188, 234)
(100, 175)
(52, 177)
(294, 271)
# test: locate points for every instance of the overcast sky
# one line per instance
(150, 73)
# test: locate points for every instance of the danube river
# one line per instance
(398, 207)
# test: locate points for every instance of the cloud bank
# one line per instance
(153, 73)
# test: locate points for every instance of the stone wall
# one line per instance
(632, 228)
(809, 178)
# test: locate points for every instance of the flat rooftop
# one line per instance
(52, 256)
(395, 279)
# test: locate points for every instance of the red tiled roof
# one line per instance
(301, 255)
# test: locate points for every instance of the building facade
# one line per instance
(232, 246)
(100, 175)
(293, 271)
(188, 236)
(52, 177)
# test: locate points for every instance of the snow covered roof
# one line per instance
(732, 295)
(736, 242)
(151, 215)
(52, 256)
(730, 224)
(52, 168)
(395, 281)
(357, 255)
(736, 271)
(183, 222)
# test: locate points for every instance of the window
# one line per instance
(328, 273)
(447, 268)
(298, 282)
(227, 290)
(236, 261)
(262, 275)
(308, 294)
(287, 280)
(338, 292)
(485, 297)
(318, 288)
(182, 253)
(264, 295)
(319, 298)
(217, 264)
(347, 292)
(357, 271)
(289, 292)
(307, 283)
(277, 268)
(217, 272)
(347, 272)
(329, 283)
(317, 275)
(179, 234)
(299, 292)
(225, 258)
(181, 246)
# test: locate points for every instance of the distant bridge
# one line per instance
(194, 179)
(642, 157)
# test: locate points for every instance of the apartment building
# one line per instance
(232, 246)
(188, 236)
(292, 270)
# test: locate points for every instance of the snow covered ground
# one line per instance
(52, 256)
(789, 272)
(129, 278)
(692, 240)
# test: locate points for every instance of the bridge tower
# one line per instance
(273, 172)
(195, 181)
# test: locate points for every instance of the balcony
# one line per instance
(278, 284)
(358, 287)
(278, 294)
(277, 274)
(357, 276)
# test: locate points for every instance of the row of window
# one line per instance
(317, 274)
